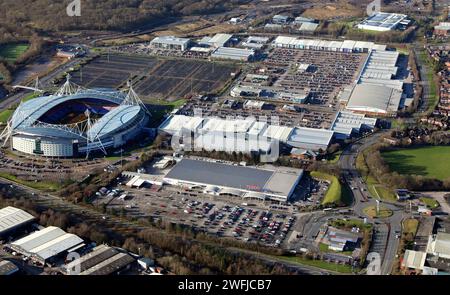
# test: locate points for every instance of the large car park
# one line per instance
(260, 222)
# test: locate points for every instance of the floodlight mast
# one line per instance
(6, 134)
(36, 87)
(132, 98)
(92, 139)
(68, 88)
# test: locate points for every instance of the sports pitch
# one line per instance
(11, 52)
(433, 162)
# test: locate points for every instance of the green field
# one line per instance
(376, 189)
(11, 52)
(430, 203)
(41, 185)
(431, 161)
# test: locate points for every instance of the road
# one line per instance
(384, 241)
(45, 82)
(439, 196)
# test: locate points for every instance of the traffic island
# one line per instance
(371, 211)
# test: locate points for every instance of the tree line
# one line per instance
(176, 249)
(51, 16)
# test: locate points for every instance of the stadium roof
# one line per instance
(11, 218)
(275, 182)
(374, 99)
(114, 119)
(30, 111)
(28, 114)
(46, 243)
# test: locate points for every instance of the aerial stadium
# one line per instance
(76, 122)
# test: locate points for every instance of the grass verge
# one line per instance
(430, 203)
(41, 185)
(371, 211)
(318, 263)
(334, 192)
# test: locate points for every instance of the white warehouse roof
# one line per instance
(171, 40)
(310, 138)
(174, 124)
(382, 21)
(347, 122)
(220, 39)
(374, 99)
(233, 53)
(11, 218)
(280, 133)
(46, 243)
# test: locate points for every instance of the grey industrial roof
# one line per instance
(170, 40)
(220, 39)
(310, 137)
(110, 265)
(347, 122)
(212, 173)
(11, 217)
(103, 260)
(414, 259)
(47, 243)
(277, 182)
(442, 243)
(374, 98)
(232, 53)
(307, 26)
(7, 268)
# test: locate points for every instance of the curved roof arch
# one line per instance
(25, 120)
(113, 120)
(29, 112)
